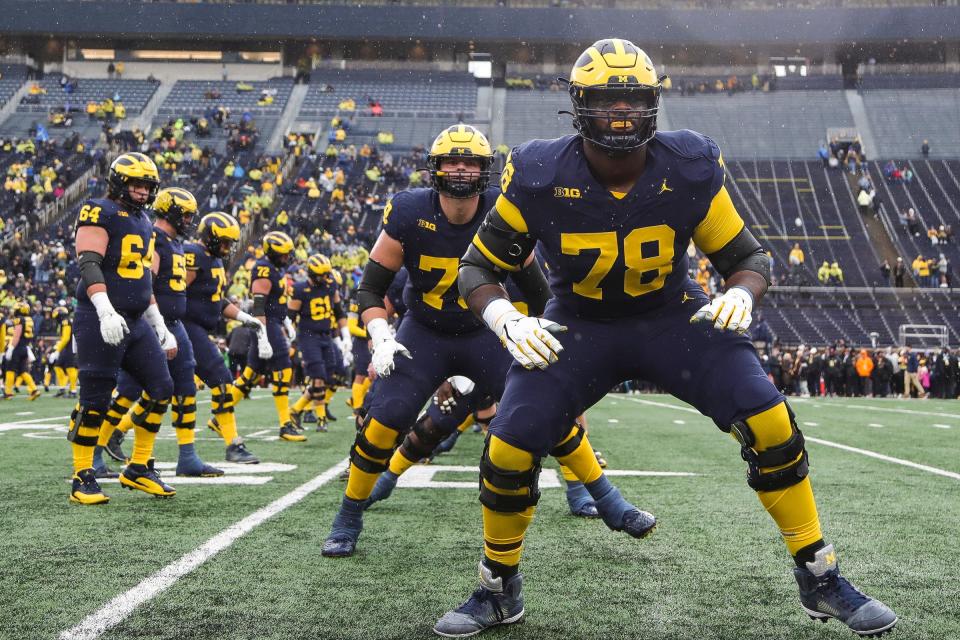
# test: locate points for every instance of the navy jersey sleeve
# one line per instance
(396, 217)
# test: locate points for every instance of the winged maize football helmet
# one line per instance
(460, 141)
(616, 95)
(177, 206)
(219, 232)
(128, 169)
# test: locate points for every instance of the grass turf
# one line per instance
(715, 568)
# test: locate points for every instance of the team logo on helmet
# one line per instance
(460, 141)
(219, 232)
(616, 96)
(129, 169)
(177, 206)
(277, 246)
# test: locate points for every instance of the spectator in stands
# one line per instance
(913, 222)
(932, 236)
(835, 277)
(119, 69)
(885, 272)
(823, 273)
(865, 201)
(925, 149)
(865, 366)
(823, 152)
(911, 379)
(943, 271)
(921, 271)
(899, 273)
(110, 69)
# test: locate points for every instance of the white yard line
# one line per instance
(118, 609)
(880, 456)
(909, 412)
(828, 443)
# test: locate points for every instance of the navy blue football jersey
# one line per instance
(395, 292)
(170, 283)
(617, 254)
(316, 306)
(126, 262)
(205, 293)
(432, 247)
(276, 302)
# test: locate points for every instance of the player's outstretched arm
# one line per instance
(499, 249)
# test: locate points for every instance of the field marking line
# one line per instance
(828, 443)
(118, 609)
(880, 456)
(910, 412)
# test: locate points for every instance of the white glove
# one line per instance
(52, 358)
(112, 325)
(530, 341)
(731, 311)
(385, 347)
(30, 357)
(264, 350)
(345, 336)
(347, 357)
(291, 329)
(248, 320)
(8, 354)
(168, 341)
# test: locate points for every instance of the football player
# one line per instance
(360, 347)
(315, 308)
(117, 322)
(218, 234)
(63, 359)
(424, 229)
(615, 208)
(174, 209)
(19, 355)
(269, 289)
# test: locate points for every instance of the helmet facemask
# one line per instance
(460, 184)
(618, 118)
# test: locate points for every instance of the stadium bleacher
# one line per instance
(194, 97)
(134, 94)
(902, 119)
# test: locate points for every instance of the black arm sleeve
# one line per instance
(90, 271)
(338, 311)
(496, 250)
(743, 253)
(533, 284)
(259, 305)
(292, 314)
(373, 286)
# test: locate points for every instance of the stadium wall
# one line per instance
(258, 22)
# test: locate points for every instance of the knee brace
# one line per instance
(317, 390)
(245, 382)
(785, 453)
(422, 439)
(281, 381)
(571, 444)
(507, 480)
(184, 412)
(118, 408)
(84, 426)
(221, 399)
(148, 414)
(367, 456)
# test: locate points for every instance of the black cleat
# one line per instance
(237, 452)
(289, 433)
(143, 477)
(104, 472)
(113, 448)
(496, 601)
(348, 524)
(825, 594)
(86, 490)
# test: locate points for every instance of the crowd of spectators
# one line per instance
(840, 370)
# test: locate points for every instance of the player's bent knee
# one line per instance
(773, 447)
(509, 477)
(373, 446)
(570, 443)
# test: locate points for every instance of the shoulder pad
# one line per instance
(534, 162)
(689, 144)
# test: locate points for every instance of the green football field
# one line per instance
(241, 558)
